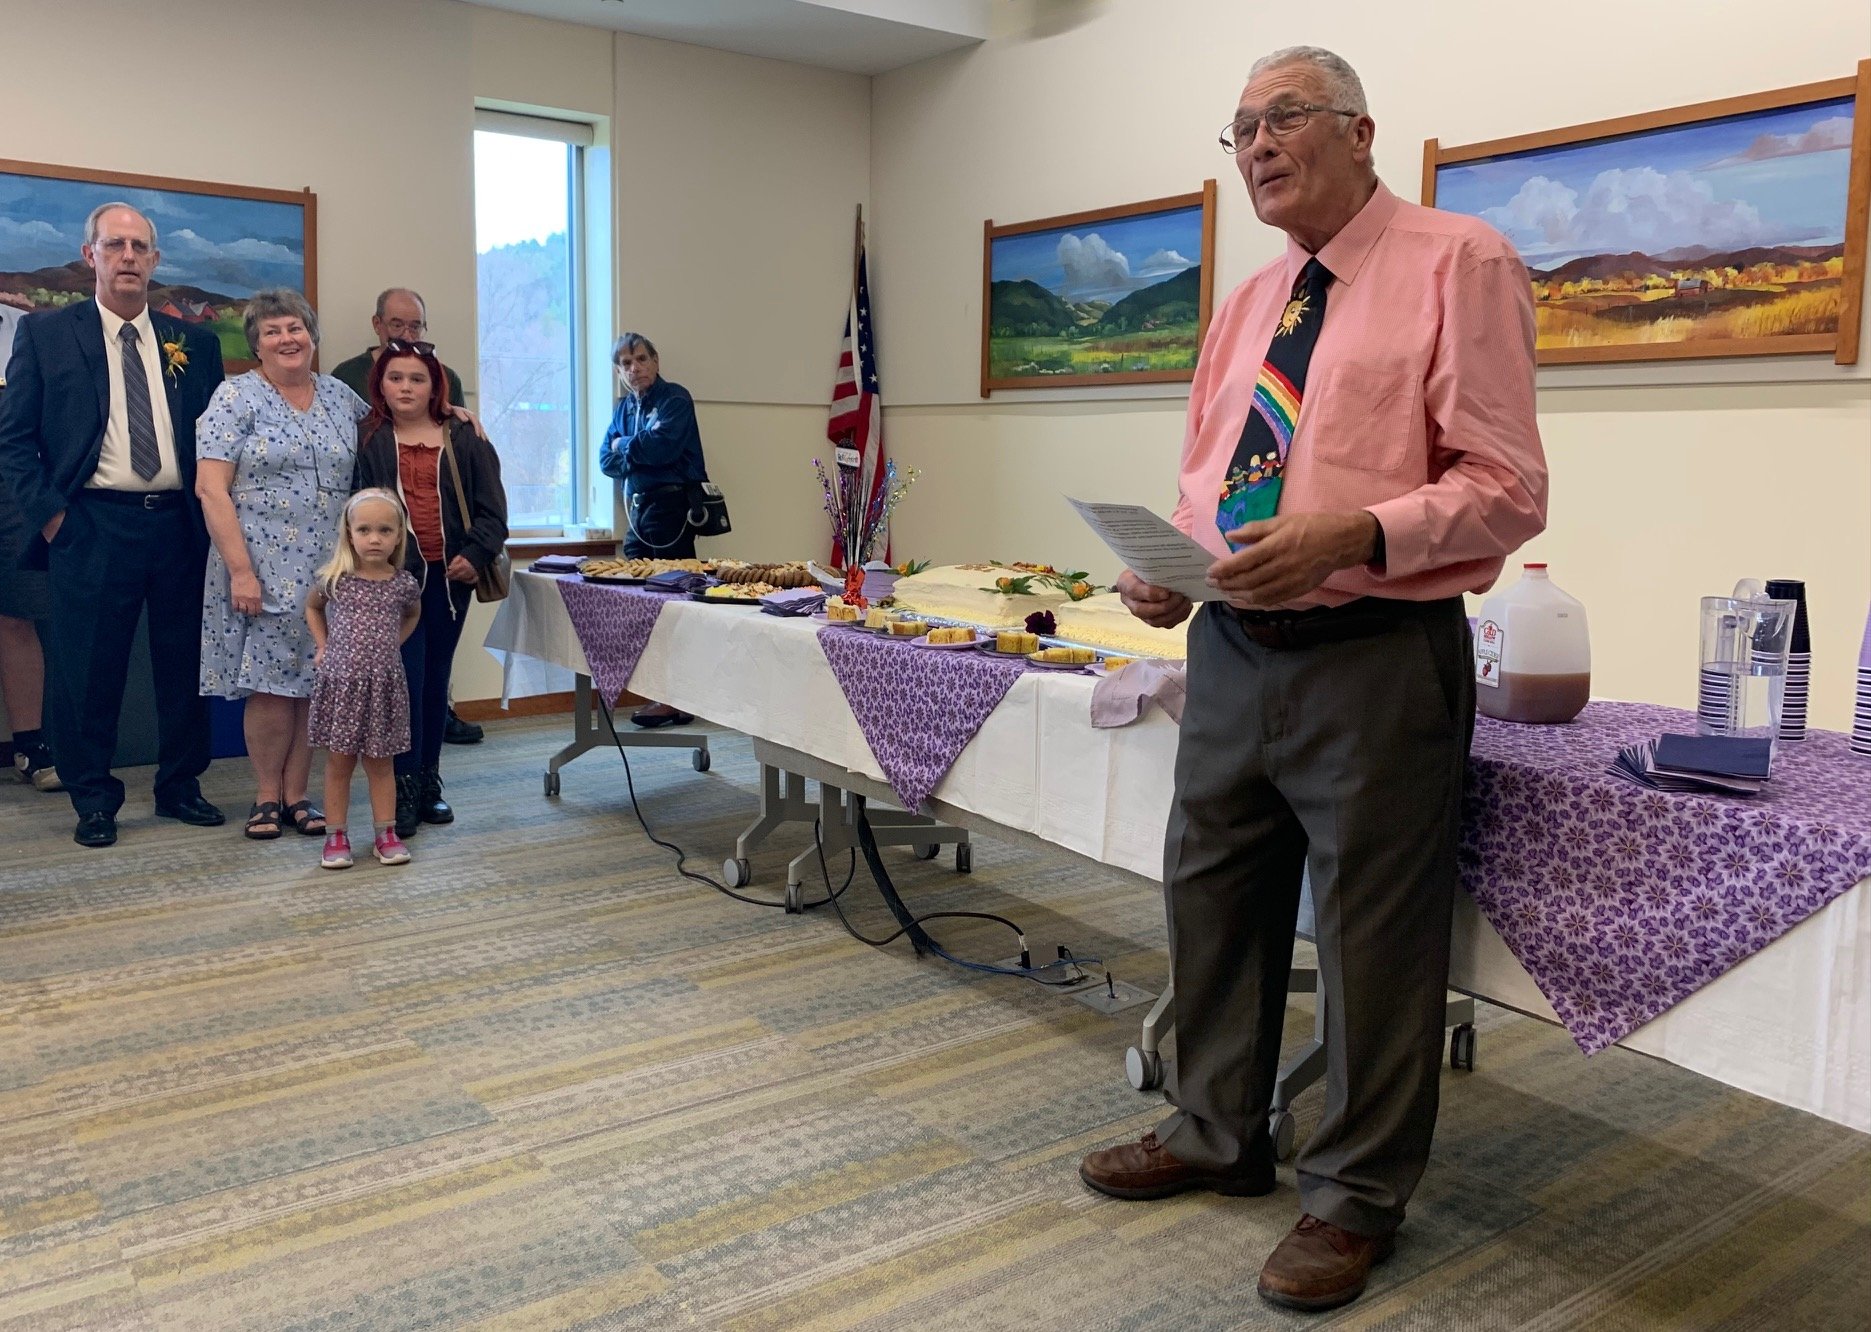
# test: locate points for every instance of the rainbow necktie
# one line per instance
(1250, 490)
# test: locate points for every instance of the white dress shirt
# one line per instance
(114, 471)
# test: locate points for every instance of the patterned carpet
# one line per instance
(537, 1081)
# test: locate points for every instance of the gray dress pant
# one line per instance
(1346, 758)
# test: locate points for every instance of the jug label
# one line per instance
(1490, 638)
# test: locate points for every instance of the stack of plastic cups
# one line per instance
(1715, 693)
(1861, 713)
(1798, 682)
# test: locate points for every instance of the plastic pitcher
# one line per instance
(1745, 642)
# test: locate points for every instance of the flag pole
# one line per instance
(857, 250)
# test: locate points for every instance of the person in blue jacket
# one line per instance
(653, 449)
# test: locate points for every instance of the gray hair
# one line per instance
(383, 299)
(629, 342)
(97, 216)
(277, 303)
(1341, 81)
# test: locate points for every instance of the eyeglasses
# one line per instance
(406, 327)
(398, 347)
(118, 244)
(1280, 121)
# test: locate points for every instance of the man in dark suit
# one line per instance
(97, 443)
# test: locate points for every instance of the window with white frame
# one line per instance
(530, 242)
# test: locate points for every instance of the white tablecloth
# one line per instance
(1791, 1023)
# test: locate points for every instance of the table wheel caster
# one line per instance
(552, 784)
(925, 850)
(700, 761)
(1282, 1129)
(1143, 1069)
(1462, 1047)
(795, 899)
(964, 858)
(738, 873)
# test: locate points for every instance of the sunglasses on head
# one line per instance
(404, 347)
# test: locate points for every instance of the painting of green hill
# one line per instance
(1036, 333)
(1111, 296)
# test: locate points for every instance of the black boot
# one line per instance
(458, 732)
(429, 803)
(408, 803)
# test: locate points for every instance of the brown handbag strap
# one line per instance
(461, 491)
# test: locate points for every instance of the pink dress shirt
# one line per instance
(1418, 401)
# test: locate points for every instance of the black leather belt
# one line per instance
(1362, 618)
(141, 499)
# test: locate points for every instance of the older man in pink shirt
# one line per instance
(1361, 450)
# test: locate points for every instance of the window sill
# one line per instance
(530, 548)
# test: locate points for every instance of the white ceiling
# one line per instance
(858, 36)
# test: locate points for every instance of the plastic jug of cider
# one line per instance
(1533, 653)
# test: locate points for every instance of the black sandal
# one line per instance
(303, 815)
(261, 815)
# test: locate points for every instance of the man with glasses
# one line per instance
(97, 445)
(402, 314)
(1361, 450)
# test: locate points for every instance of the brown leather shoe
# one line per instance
(1145, 1169)
(1320, 1266)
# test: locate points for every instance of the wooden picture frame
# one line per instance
(219, 244)
(1801, 150)
(1069, 278)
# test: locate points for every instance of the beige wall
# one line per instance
(736, 181)
(1660, 493)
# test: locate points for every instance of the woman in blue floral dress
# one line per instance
(275, 453)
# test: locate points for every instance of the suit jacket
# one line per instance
(57, 402)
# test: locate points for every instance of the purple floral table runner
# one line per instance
(1622, 902)
(613, 624)
(918, 708)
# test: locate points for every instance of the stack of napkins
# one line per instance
(675, 580)
(556, 564)
(793, 601)
(1730, 764)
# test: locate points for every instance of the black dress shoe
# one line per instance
(193, 810)
(98, 829)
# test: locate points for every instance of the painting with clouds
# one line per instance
(1117, 296)
(219, 245)
(1717, 236)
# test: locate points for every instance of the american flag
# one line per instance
(857, 425)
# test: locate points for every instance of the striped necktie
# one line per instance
(145, 455)
(1250, 489)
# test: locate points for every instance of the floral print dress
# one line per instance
(292, 475)
(360, 704)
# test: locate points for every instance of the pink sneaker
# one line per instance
(389, 848)
(337, 853)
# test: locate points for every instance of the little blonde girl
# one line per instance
(361, 609)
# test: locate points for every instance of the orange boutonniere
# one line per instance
(175, 357)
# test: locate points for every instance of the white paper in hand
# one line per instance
(1151, 547)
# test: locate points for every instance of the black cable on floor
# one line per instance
(831, 895)
(911, 925)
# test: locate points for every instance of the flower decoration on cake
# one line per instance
(1029, 578)
(1042, 622)
(175, 357)
(910, 568)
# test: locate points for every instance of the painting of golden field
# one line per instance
(1722, 230)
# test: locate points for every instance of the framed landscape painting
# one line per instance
(1114, 296)
(1730, 228)
(219, 244)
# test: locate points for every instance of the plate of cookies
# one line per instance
(775, 576)
(948, 639)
